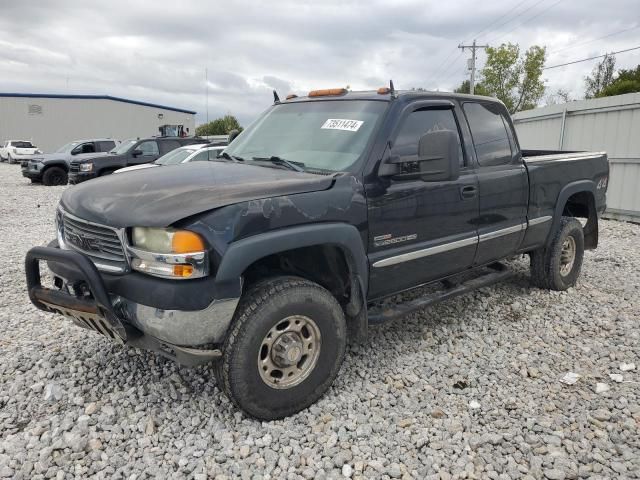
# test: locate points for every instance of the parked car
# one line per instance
(190, 153)
(53, 168)
(15, 151)
(134, 151)
(267, 261)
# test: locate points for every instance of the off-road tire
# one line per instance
(546, 261)
(261, 308)
(54, 176)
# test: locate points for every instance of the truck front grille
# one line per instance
(75, 166)
(100, 243)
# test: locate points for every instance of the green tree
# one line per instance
(627, 81)
(515, 80)
(478, 89)
(601, 77)
(219, 126)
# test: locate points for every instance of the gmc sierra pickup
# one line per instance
(269, 260)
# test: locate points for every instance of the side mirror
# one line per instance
(233, 134)
(438, 159)
(136, 153)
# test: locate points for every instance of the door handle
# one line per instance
(468, 191)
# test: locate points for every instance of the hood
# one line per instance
(136, 167)
(159, 197)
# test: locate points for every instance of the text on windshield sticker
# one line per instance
(342, 124)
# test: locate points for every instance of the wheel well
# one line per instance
(325, 265)
(63, 166)
(583, 205)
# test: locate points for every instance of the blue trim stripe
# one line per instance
(95, 97)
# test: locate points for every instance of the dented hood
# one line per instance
(159, 197)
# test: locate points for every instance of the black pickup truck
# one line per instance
(269, 260)
(134, 151)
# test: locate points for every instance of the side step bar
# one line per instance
(499, 273)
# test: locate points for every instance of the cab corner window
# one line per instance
(489, 132)
(415, 125)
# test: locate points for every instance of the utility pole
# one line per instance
(472, 66)
(206, 90)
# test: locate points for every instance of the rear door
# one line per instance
(502, 181)
(420, 231)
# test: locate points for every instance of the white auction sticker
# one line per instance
(343, 124)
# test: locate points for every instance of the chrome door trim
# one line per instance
(425, 252)
(504, 231)
(539, 220)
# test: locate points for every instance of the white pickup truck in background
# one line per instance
(14, 151)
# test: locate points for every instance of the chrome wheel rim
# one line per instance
(289, 352)
(567, 256)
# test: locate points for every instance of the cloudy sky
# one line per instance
(160, 53)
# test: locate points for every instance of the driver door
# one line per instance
(148, 152)
(420, 230)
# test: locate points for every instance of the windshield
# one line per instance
(174, 157)
(123, 147)
(66, 148)
(324, 135)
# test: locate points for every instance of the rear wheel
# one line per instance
(54, 176)
(557, 266)
(284, 348)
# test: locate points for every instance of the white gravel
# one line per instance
(467, 389)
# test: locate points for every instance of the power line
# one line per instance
(475, 35)
(439, 67)
(591, 58)
(594, 40)
(518, 15)
(528, 20)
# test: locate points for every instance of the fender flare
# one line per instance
(56, 163)
(568, 190)
(242, 253)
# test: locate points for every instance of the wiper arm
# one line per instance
(297, 166)
(233, 158)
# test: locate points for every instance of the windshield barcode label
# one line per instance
(342, 124)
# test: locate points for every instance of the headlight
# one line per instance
(169, 253)
(86, 167)
(39, 151)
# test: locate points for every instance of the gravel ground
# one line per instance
(467, 389)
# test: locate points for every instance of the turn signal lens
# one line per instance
(327, 92)
(184, 241)
(183, 271)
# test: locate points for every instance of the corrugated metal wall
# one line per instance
(610, 124)
(51, 122)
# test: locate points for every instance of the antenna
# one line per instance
(392, 91)
(276, 98)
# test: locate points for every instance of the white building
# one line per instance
(50, 121)
(610, 124)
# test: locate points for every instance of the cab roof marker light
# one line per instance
(328, 92)
(291, 95)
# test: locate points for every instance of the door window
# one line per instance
(106, 146)
(84, 148)
(490, 133)
(417, 124)
(149, 148)
(169, 145)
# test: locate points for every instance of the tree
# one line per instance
(514, 80)
(559, 96)
(478, 89)
(601, 77)
(627, 81)
(219, 126)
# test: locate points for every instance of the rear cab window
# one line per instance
(491, 133)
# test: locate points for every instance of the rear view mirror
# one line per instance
(232, 135)
(136, 153)
(438, 154)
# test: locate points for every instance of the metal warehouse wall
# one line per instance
(610, 124)
(51, 122)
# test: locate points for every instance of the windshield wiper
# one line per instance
(297, 166)
(233, 158)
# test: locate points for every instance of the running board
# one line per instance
(498, 273)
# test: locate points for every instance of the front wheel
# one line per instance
(54, 176)
(284, 348)
(557, 266)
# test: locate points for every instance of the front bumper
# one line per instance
(183, 336)
(31, 170)
(79, 177)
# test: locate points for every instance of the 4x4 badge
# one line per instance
(388, 239)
